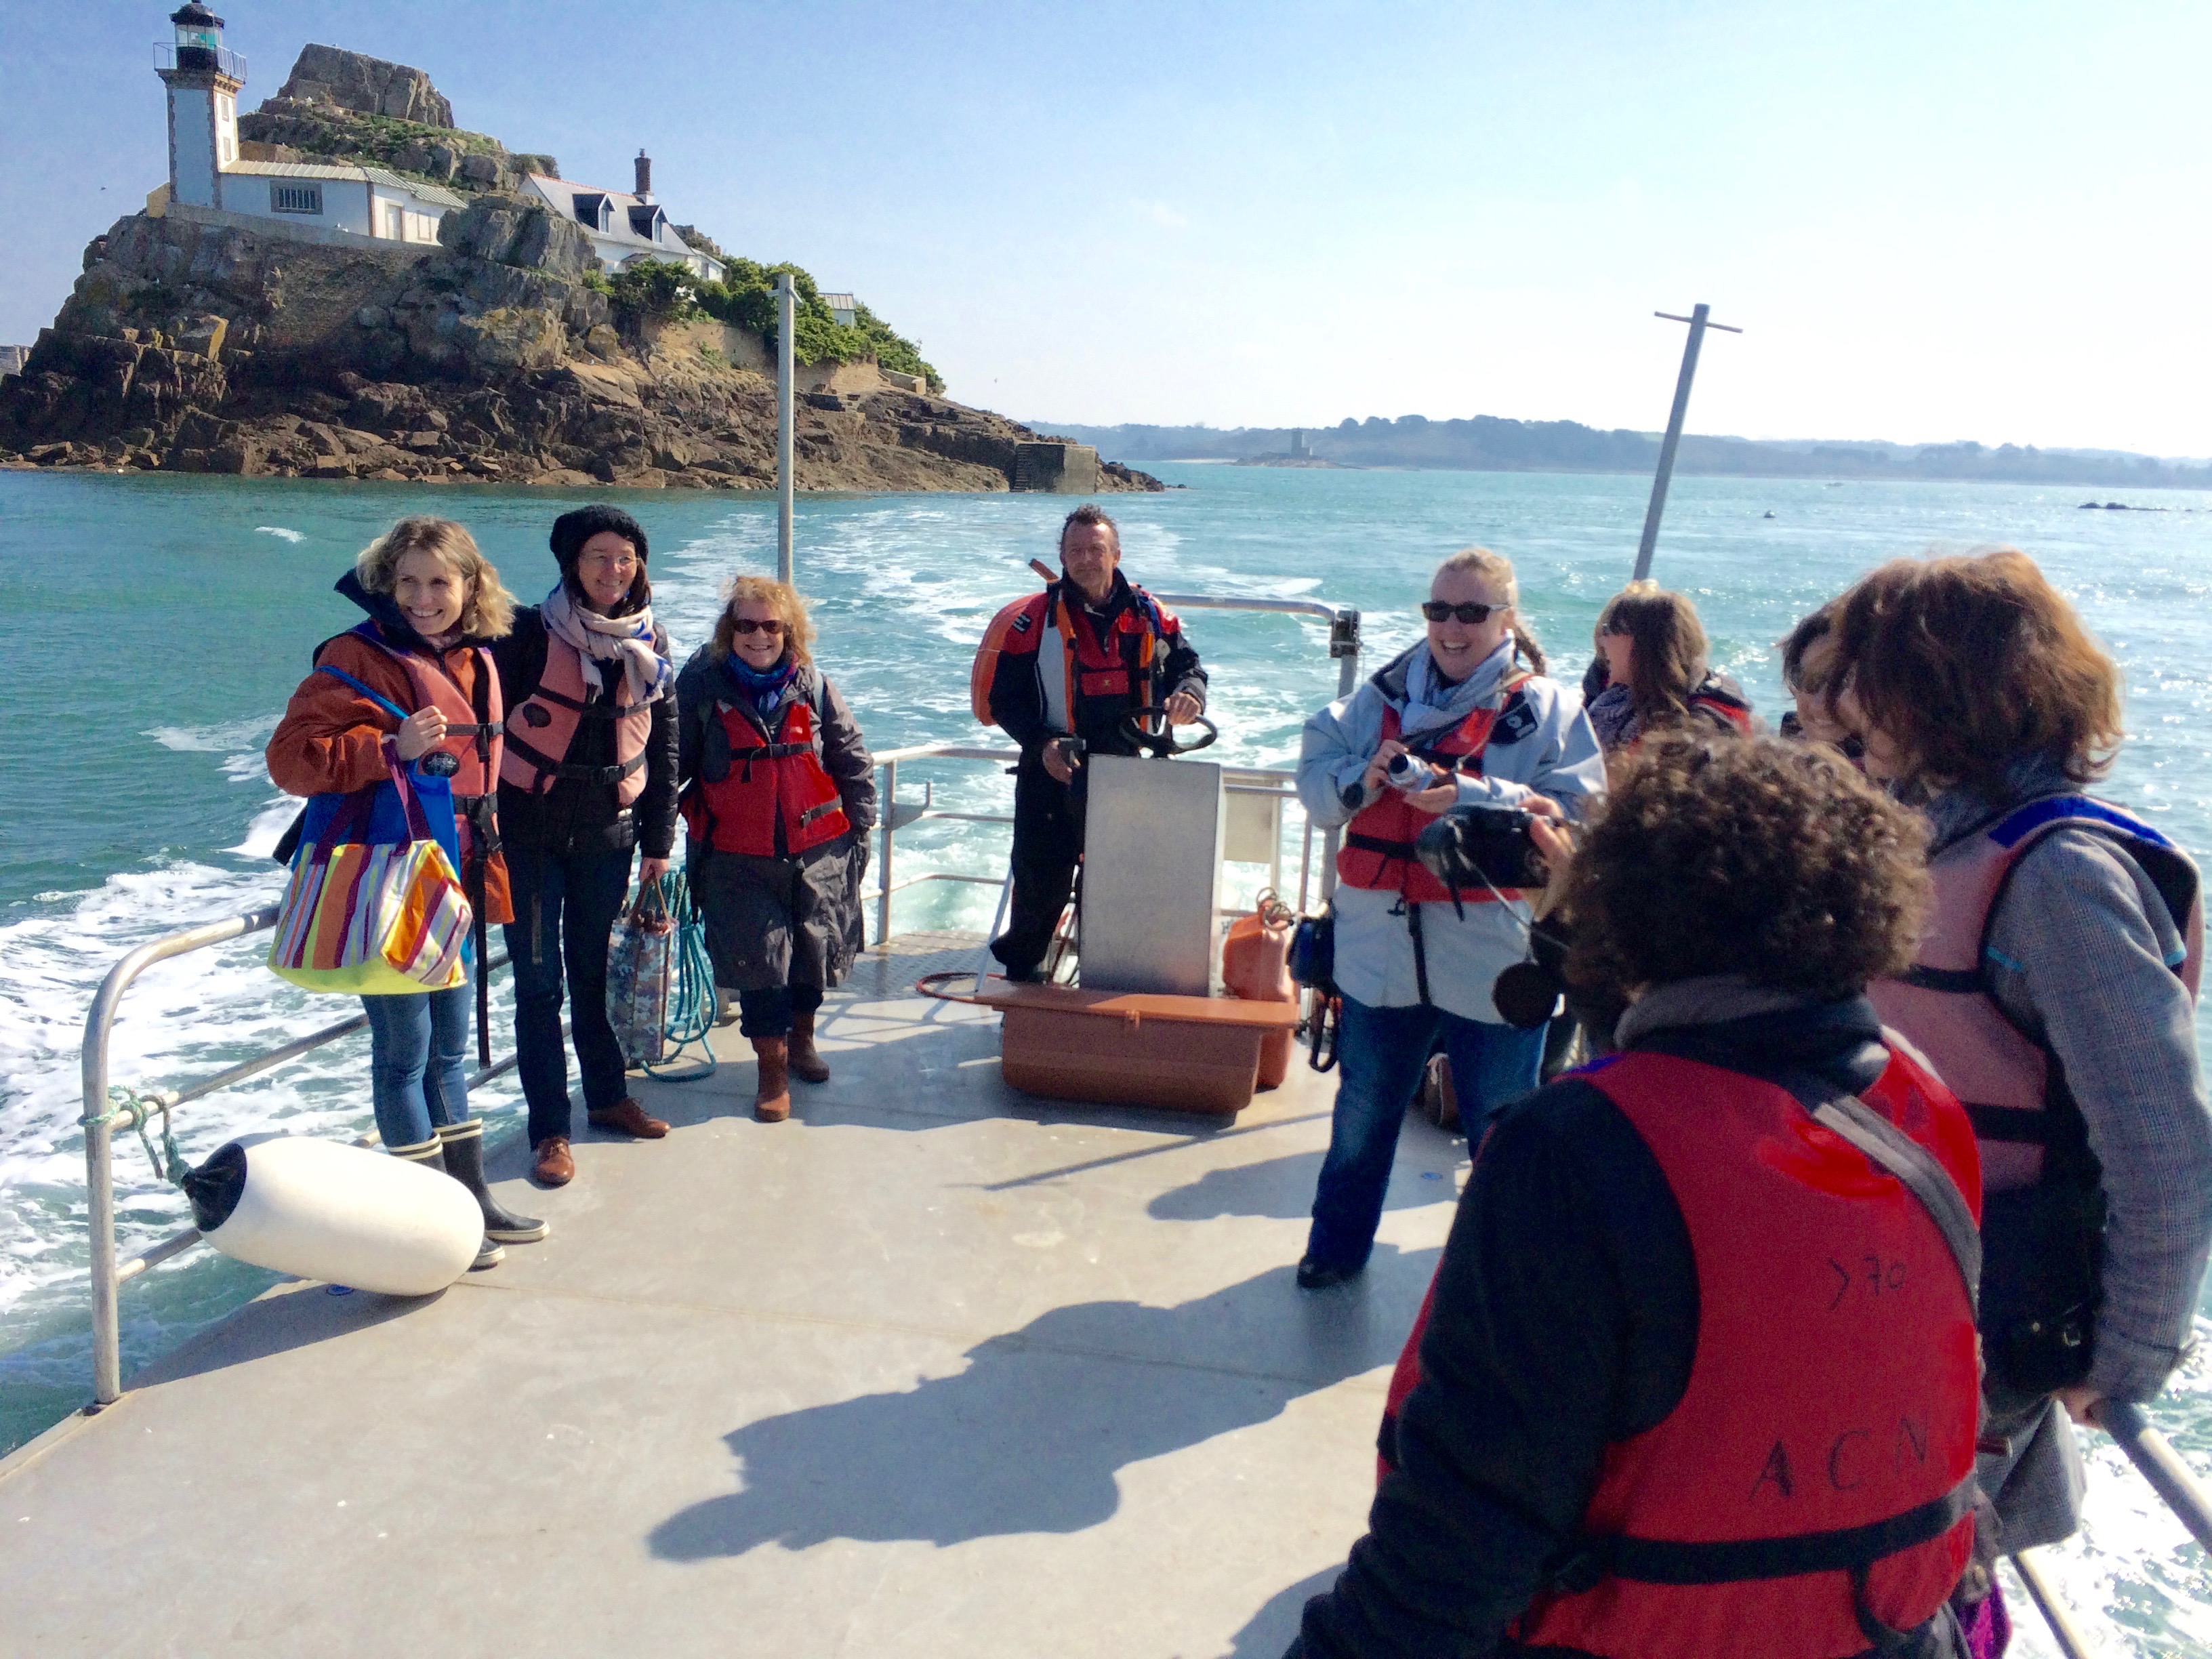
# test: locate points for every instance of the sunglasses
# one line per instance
(1437, 611)
(747, 625)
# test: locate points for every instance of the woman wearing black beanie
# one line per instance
(589, 778)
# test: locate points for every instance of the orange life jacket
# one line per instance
(1378, 843)
(742, 797)
(1074, 664)
(473, 731)
(1942, 1006)
(545, 723)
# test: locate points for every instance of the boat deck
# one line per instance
(932, 1369)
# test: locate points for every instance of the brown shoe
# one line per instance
(772, 1100)
(554, 1166)
(806, 1064)
(627, 1116)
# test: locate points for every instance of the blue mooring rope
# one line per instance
(692, 1003)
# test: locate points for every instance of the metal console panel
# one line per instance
(1151, 876)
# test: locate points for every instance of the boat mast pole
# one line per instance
(786, 307)
(1697, 321)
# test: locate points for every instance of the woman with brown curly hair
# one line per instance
(1651, 672)
(1645, 1411)
(2054, 990)
(414, 686)
(778, 795)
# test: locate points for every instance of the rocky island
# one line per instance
(483, 338)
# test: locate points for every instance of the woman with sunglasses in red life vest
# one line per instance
(1469, 712)
(1697, 1374)
(778, 795)
(413, 684)
(587, 783)
(1651, 673)
(2054, 989)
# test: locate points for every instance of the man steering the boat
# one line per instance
(1061, 672)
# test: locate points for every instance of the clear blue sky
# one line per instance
(1936, 221)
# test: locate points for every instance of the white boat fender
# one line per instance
(321, 1209)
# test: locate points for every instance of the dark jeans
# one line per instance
(418, 1063)
(1383, 1052)
(1048, 842)
(769, 1013)
(565, 906)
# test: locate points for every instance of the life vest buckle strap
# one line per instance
(1954, 981)
(1843, 1549)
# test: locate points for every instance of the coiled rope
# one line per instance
(692, 1002)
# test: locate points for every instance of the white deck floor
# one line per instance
(933, 1369)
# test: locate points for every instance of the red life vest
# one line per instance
(472, 729)
(1719, 697)
(738, 801)
(1942, 1004)
(1074, 665)
(545, 723)
(1378, 842)
(1820, 1464)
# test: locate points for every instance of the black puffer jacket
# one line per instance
(573, 815)
(783, 920)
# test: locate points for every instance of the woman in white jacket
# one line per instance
(1471, 703)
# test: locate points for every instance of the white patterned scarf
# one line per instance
(597, 639)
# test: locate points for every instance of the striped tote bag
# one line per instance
(373, 917)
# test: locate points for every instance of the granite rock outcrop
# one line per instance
(193, 343)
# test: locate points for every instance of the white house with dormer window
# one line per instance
(624, 229)
(203, 78)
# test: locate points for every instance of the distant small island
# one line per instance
(1485, 443)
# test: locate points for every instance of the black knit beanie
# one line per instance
(572, 530)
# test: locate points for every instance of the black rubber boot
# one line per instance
(431, 1155)
(463, 1148)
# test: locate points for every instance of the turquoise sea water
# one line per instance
(150, 630)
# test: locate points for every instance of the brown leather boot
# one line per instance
(772, 1100)
(806, 1064)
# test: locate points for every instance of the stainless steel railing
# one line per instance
(101, 1116)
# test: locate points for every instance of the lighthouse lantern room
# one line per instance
(203, 77)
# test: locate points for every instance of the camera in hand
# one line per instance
(1409, 774)
(1471, 846)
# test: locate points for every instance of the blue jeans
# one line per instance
(565, 908)
(418, 1063)
(1382, 1052)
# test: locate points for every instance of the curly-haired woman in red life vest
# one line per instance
(1696, 1374)
(1651, 672)
(415, 684)
(778, 795)
(2054, 990)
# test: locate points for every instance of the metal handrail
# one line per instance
(99, 1118)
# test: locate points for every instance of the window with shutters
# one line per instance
(296, 198)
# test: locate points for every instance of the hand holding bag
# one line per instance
(640, 968)
(365, 918)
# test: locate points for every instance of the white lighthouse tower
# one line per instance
(203, 77)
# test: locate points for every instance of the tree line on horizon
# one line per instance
(1488, 443)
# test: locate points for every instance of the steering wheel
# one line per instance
(1135, 726)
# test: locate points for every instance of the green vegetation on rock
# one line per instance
(663, 291)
